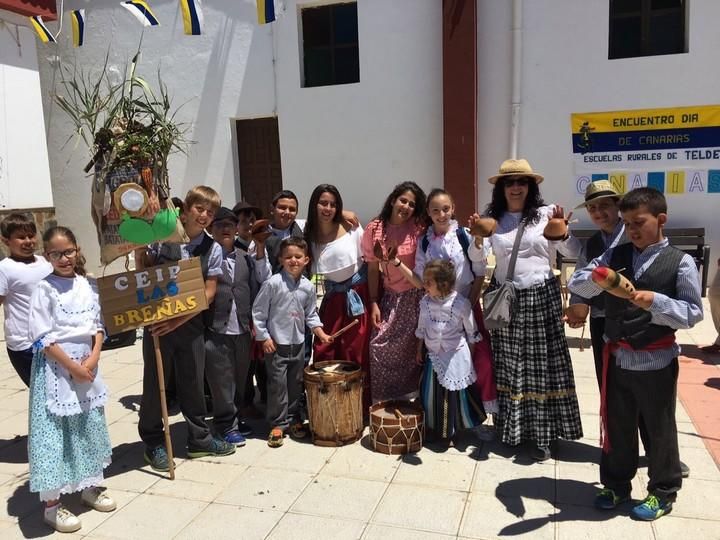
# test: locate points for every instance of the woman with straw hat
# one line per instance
(535, 382)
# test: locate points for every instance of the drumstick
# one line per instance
(613, 282)
(345, 328)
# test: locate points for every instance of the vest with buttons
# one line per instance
(242, 291)
(624, 320)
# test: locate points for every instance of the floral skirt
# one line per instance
(395, 374)
(535, 382)
(66, 453)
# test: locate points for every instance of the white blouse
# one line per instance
(447, 247)
(536, 253)
(340, 259)
(447, 325)
(66, 312)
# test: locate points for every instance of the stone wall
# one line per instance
(44, 219)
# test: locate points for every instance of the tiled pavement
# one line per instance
(302, 491)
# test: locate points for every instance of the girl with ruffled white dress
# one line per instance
(446, 327)
(68, 442)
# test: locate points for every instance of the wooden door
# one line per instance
(259, 156)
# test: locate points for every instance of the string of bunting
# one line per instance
(191, 11)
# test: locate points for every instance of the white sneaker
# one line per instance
(61, 519)
(98, 499)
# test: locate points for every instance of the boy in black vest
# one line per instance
(182, 340)
(229, 324)
(640, 364)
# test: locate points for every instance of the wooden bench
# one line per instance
(691, 241)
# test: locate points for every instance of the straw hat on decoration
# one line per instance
(600, 189)
(515, 167)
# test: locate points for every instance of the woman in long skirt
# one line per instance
(394, 301)
(535, 383)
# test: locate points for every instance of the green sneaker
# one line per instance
(651, 509)
(606, 499)
(157, 458)
(217, 447)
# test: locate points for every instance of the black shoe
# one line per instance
(684, 469)
(216, 447)
(244, 429)
(157, 458)
(540, 453)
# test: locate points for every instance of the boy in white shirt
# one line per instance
(19, 275)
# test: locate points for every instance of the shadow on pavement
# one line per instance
(512, 492)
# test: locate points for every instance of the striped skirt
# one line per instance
(535, 382)
(448, 411)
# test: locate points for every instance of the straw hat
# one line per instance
(515, 167)
(600, 189)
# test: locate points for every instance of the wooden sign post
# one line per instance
(140, 298)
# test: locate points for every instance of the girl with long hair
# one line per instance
(336, 254)
(394, 301)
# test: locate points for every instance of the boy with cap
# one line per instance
(228, 321)
(601, 203)
(640, 364)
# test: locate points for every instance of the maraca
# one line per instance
(613, 282)
(260, 231)
(483, 226)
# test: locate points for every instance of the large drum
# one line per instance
(397, 427)
(334, 399)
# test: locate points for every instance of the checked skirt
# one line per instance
(536, 387)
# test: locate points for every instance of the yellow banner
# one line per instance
(647, 119)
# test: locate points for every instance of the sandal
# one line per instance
(298, 431)
(275, 439)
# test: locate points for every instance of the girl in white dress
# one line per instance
(68, 442)
(446, 326)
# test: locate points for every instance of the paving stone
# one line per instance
(357, 461)
(302, 527)
(672, 527)
(221, 521)
(272, 489)
(588, 523)
(333, 496)
(488, 516)
(422, 508)
(149, 516)
(443, 470)
(383, 532)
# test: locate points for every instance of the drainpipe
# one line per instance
(516, 102)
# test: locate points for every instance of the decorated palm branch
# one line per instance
(130, 131)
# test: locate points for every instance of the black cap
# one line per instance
(243, 206)
(223, 214)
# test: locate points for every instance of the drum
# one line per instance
(334, 399)
(397, 427)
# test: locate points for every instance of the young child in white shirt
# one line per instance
(19, 275)
(446, 327)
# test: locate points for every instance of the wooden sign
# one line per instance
(143, 297)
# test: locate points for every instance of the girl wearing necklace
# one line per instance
(336, 254)
(446, 327)
(394, 301)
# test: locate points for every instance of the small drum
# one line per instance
(397, 427)
(334, 399)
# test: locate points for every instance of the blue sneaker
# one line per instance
(606, 499)
(234, 437)
(651, 509)
(244, 429)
